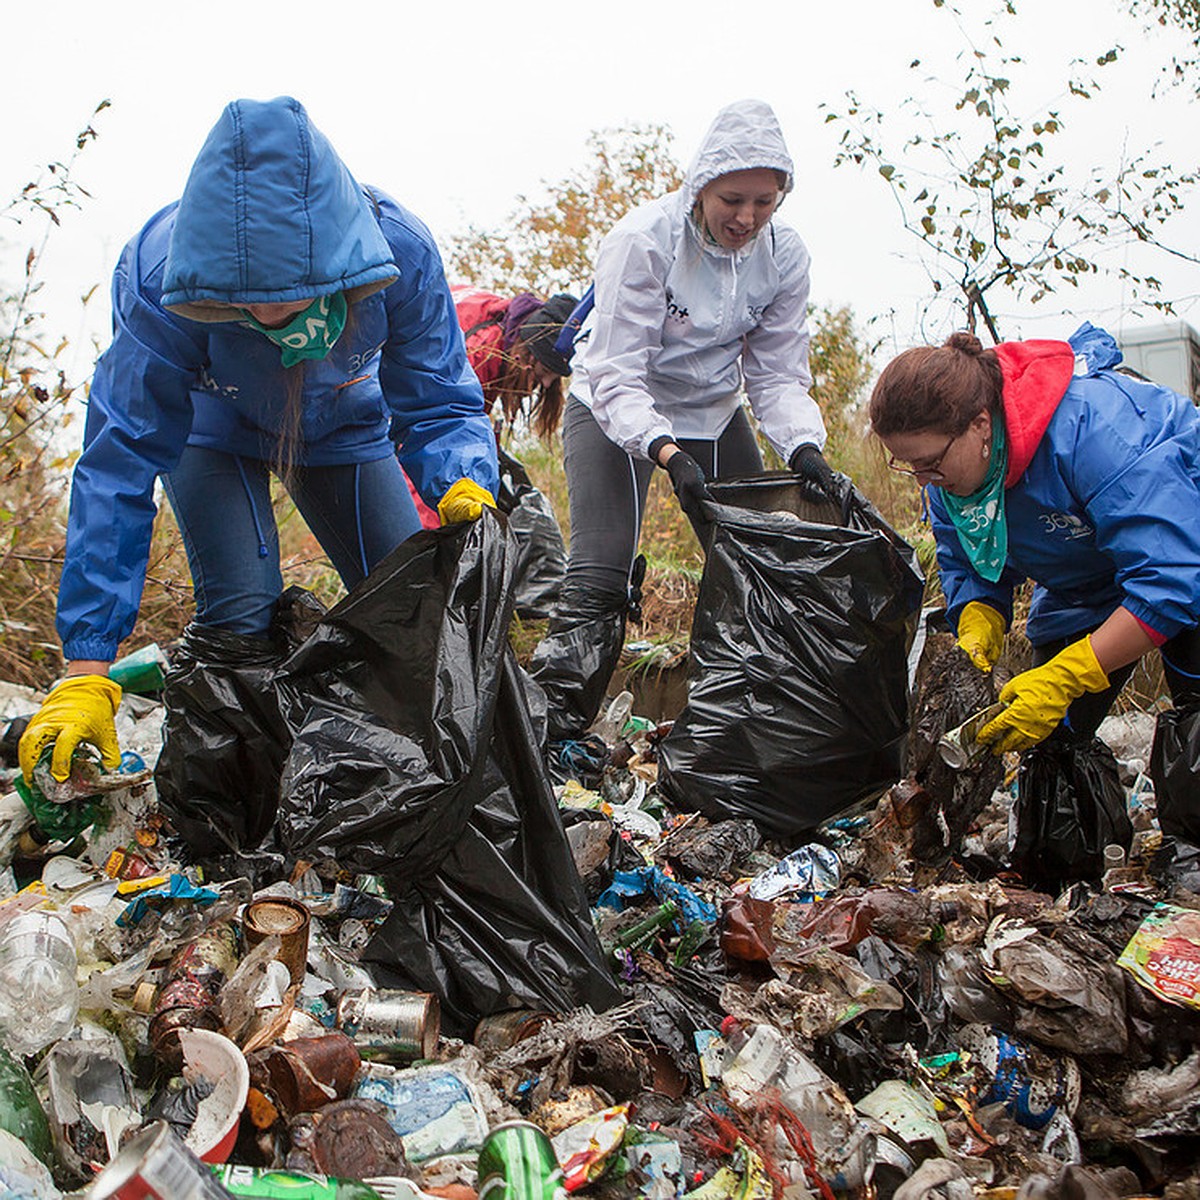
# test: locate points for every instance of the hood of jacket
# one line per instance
(1036, 374)
(744, 135)
(270, 214)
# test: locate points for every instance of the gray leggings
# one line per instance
(608, 494)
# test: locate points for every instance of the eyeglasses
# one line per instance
(930, 469)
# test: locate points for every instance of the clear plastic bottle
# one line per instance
(611, 726)
(39, 994)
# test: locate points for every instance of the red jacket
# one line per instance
(481, 318)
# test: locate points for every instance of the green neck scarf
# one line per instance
(980, 518)
(311, 333)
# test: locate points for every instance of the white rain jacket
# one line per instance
(680, 324)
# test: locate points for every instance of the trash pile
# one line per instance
(878, 1011)
(329, 933)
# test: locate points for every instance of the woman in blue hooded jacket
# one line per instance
(1046, 463)
(279, 317)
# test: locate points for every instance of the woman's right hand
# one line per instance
(688, 481)
(981, 634)
(78, 709)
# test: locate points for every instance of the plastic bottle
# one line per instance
(611, 726)
(39, 994)
(20, 1112)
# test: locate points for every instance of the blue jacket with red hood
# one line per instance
(1102, 495)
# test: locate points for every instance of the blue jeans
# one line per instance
(359, 513)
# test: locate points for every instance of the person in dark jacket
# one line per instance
(1047, 463)
(279, 318)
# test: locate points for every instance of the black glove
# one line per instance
(690, 485)
(808, 462)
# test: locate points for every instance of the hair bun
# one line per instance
(965, 343)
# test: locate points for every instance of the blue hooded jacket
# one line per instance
(1102, 497)
(269, 214)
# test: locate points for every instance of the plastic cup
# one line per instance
(212, 1056)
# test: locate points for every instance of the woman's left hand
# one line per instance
(465, 501)
(1038, 699)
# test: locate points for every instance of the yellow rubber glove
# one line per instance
(464, 502)
(981, 634)
(1038, 699)
(78, 709)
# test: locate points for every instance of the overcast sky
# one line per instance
(456, 108)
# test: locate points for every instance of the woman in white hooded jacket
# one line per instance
(699, 296)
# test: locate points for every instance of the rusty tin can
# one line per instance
(188, 996)
(389, 1025)
(517, 1162)
(156, 1165)
(288, 918)
(305, 1074)
(502, 1030)
(959, 748)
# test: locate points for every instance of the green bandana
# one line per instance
(979, 518)
(311, 333)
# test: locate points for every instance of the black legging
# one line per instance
(608, 490)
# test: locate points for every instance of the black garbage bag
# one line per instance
(1175, 769)
(797, 674)
(1070, 805)
(541, 556)
(573, 664)
(223, 741)
(412, 756)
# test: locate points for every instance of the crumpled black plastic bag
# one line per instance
(797, 673)
(412, 756)
(1070, 805)
(541, 556)
(217, 776)
(1175, 769)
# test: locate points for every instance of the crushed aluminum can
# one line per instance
(156, 1165)
(807, 872)
(1032, 1084)
(517, 1162)
(959, 748)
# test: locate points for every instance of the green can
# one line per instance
(517, 1162)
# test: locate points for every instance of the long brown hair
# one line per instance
(519, 393)
(942, 388)
(289, 450)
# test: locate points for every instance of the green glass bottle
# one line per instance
(21, 1113)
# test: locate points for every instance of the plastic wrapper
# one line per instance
(1070, 993)
(412, 756)
(797, 677)
(1070, 805)
(1164, 955)
(541, 561)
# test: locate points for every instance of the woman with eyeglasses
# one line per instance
(1044, 462)
(280, 318)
